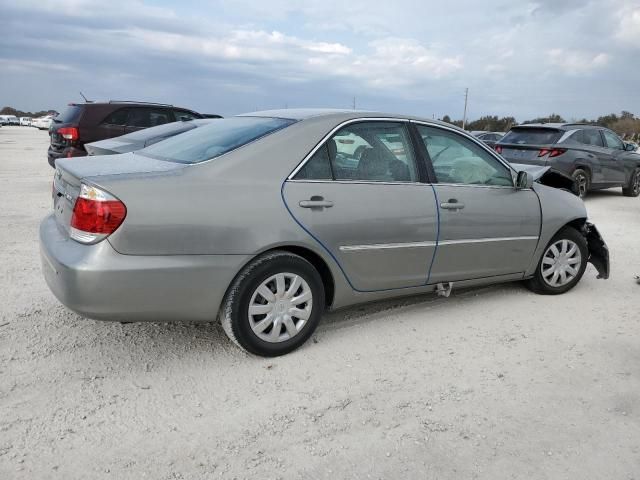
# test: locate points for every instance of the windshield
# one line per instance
(532, 136)
(213, 140)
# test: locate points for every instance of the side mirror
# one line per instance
(630, 147)
(524, 180)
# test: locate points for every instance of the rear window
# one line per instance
(213, 140)
(70, 115)
(532, 136)
(166, 130)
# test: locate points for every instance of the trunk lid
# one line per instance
(70, 173)
(112, 146)
(527, 154)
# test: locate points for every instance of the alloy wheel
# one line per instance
(561, 263)
(280, 307)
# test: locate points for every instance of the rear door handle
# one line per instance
(316, 202)
(452, 204)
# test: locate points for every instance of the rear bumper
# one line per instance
(97, 282)
(67, 152)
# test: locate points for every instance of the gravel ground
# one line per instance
(490, 383)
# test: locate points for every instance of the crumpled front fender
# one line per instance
(598, 250)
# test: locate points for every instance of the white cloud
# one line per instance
(629, 30)
(576, 62)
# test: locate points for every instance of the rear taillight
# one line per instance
(498, 149)
(552, 152)
(96, 215)
(69, 133)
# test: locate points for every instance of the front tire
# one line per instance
(582, 181)
(562, 264)
(633, 188)
(274, 304)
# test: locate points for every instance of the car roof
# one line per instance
(558, 126)
(341, 114)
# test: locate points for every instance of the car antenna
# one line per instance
(85, 98)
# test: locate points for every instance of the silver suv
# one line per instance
(594, 156)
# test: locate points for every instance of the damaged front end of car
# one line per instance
(598, 250)
(549, 176)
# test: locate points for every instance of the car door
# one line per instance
(614, 168)
(487, 227)
(361, 195)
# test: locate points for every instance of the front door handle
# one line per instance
(316, 202)
(452, 204)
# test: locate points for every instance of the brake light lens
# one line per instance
(69, 133)
(498, 149)
(96, 215)
(553, 152)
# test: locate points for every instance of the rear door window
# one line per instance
(119, 117)
(532, 136)
(374, 152)
(590, 136)
(318, 167)
(147, 117)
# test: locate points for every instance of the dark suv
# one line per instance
(89, 122)
(594, 156)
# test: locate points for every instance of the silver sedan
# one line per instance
(267, 219)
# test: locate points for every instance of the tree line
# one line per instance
(627, 125)
(20, 113)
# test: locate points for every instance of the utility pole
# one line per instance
(466, 98)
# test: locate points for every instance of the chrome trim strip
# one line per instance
(485, 240)
(368, 182)
(385, 246)
(390, 246)
(335, 129)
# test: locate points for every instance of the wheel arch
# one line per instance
(310, 256)
(318, 263)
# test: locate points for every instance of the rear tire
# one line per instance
(274, 304)
(569, 264)
(582, 181)
(633, 188)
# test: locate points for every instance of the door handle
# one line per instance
(316, 202)
(452, 204)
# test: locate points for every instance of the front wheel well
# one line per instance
(578, 224)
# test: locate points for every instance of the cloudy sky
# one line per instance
(526, 58)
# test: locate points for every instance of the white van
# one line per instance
(25, 121)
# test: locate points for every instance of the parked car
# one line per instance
(9, 120)
(143, 138)
(25, 121)
(89, 122)
(42, 123)
(594, 156)
(267, 219)
(490, 138)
